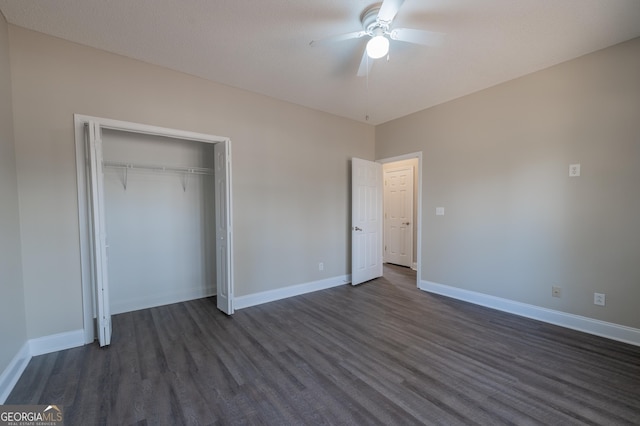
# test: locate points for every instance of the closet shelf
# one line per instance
(184, 171)
(158, 168)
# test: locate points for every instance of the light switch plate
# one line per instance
(439, 211)
(574, 170)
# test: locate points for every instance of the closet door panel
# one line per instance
(224, 282)
(99, 235)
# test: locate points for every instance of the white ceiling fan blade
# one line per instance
(389, 9)
(426, 38)
(337, 38)
(365, 65)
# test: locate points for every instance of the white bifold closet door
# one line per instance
(222, 154)
(95, 132)
(99, 235)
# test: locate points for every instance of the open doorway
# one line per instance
(402, 200)
(94, 248)
(399, 202)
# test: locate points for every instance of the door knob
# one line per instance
(406, 223)
(357, 229)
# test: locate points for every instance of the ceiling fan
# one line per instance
(377, 22)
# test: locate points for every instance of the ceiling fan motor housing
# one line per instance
(370, 22)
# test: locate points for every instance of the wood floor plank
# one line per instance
(381, 353)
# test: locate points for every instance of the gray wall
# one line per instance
(290, 168)
(515, 224)
(13, 331)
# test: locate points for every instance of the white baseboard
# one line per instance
(14, 370)
(242, 302)
(575, 322)
(151, 301)
(35, 347)
(56, 342)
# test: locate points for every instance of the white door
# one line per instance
(224, 269)
(366, 220)
(99, 236)
(398, 216)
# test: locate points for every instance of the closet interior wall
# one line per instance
(160, 224)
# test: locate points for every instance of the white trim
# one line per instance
(128, 126)
(575, 322)
(241, 302)
(56, 342)
(14, 370)
(152, 301)
(409, 156)
(414, 266)
(34, 347)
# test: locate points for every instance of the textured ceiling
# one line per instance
(263, 45)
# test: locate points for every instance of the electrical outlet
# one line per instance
(599, 299)
(574, 170)
(321, 266)
(556, 292)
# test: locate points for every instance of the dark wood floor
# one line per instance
(380, 353)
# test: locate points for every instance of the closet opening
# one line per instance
(155, 219)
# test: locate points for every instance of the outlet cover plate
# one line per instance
(574, 170)
(599, 299)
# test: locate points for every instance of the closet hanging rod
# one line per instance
(157, 168)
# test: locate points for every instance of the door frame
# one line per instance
(85, 217)
(418, 219)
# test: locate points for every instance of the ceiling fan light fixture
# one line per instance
(377, 47)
